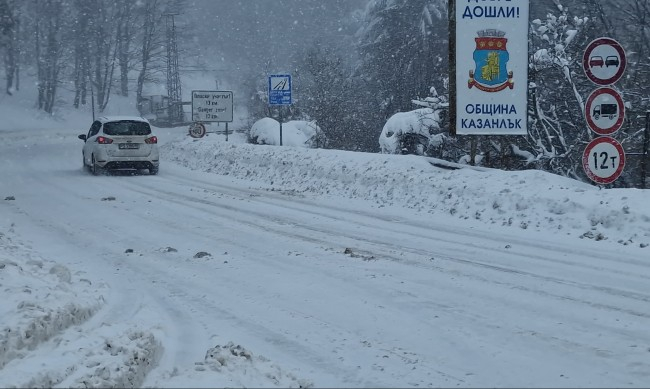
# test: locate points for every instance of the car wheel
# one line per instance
(96, 170)
(153, 171)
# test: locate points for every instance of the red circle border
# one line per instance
(587, 54)
(585, 160)
(621, 105)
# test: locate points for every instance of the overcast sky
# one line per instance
(250, 32)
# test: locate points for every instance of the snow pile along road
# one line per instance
(529, 200)
(46, 312)
(231, 365)
(40, 299)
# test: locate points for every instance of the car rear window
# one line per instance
(127, 127)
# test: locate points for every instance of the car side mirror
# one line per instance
(82, 137)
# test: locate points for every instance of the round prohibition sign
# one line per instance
(603, 160)
(197, 130)
(604, 61)
(605, 111)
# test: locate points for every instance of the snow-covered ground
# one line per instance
(529, 200)
(263, 266)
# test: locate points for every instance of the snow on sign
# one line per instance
(603, 160)
(212, 106)
(280, 89)
(604, 61)
(605, 111)
(491, 67)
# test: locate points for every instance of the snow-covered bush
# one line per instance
(417, 131)
(297, 133)
(410, 132)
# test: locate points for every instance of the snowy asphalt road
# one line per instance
(334, 292)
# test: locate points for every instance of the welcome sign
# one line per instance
(491, 40)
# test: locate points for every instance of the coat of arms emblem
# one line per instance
(491, 57)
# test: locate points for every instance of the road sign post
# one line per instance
(604, 62)
(489, 66)
(280, 88)
(211, 107)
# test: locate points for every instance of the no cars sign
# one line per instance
(603, 160)
(604, 61)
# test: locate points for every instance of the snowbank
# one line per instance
(40, 299)
(532, 200)
(45, 303)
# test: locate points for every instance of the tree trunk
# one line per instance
(8, 36)
(10, 64)
(82, 54)
(47, 35)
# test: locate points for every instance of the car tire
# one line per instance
(153, 171)
(96, 170)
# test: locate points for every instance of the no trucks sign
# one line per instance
(491, 67)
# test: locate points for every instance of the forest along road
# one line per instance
(331, 292)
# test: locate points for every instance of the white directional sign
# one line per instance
(491, 67)
(280, 89)
(212, 106)
(605, 111)
(604, 61)
(603, 160)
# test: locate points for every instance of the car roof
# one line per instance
(107, 119)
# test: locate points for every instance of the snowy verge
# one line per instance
(111, 358)
(43, 310)
(532, 200)
(40, 299)
(230, 365)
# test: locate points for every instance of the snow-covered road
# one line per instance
(192, 278)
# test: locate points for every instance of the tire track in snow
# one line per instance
(312, 207)
(423, 263)
(192, 202)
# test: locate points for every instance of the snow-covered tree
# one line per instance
(329, 96)
(557, 131)
(404, 51)
(9, 23)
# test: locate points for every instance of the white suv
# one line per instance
(120, 142)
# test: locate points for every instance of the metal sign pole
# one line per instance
(646, 147)
(226, 131)
(280, 125)
(452, 67)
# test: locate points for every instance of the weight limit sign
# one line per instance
(603, 160)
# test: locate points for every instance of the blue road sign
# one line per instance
(280, 89)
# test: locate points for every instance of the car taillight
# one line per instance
(151, 141)
(102, 140)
